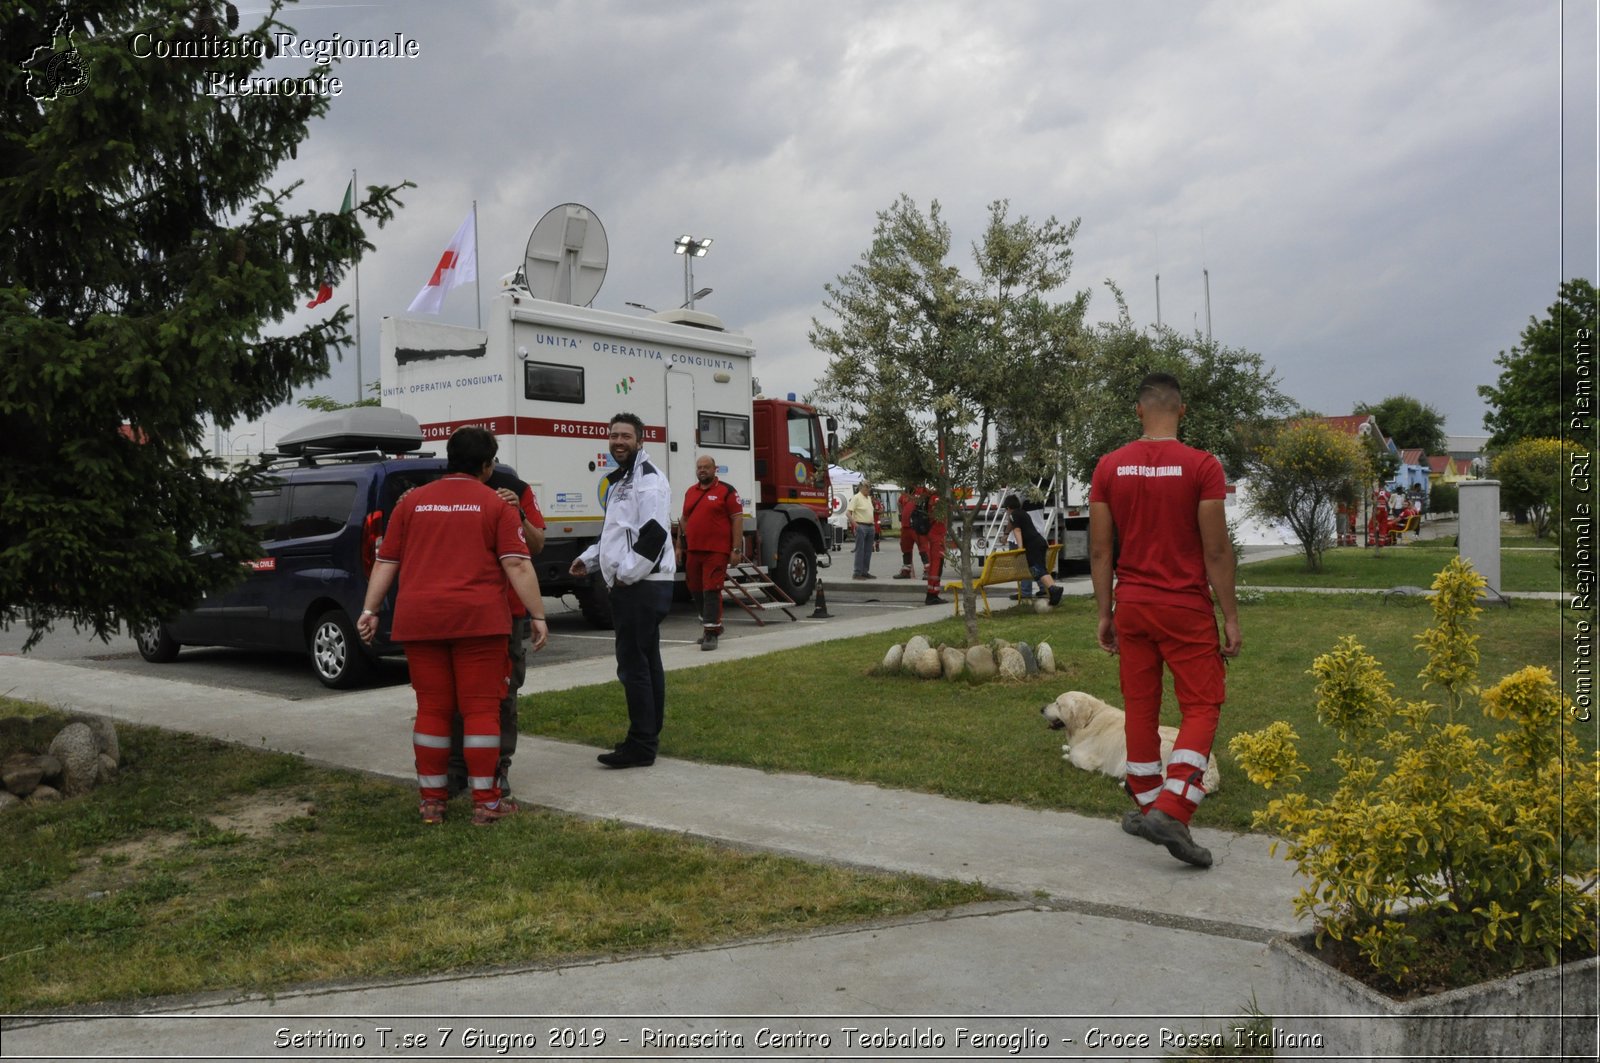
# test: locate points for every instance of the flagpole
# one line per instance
(361, 384)
(477, 279)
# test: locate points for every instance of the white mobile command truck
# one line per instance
(546, 376)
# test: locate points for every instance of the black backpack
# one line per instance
(921, 522)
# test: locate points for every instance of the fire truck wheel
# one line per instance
(594, 602)
(795, 572)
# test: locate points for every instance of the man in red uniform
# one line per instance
(1162, 503)
(713, 536)
(455, 545)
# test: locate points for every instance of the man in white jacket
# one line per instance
(635, 558)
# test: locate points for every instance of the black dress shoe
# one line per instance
(626, 758)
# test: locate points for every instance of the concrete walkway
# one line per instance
(1104, 925)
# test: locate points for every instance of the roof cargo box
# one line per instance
(379, 428)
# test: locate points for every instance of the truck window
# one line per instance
(725, 430)
(552, 383)
(318, 509)
(803, 441)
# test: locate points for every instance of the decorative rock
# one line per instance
(891, 660)
(105, 735)
(108, 769)
(44, 795)
(80, 758)
(21, 773)
(917, 644)
(8, 801)
(924, 663)
(1041, 605)
(1046, 657)
(980, 662)
(954, 661)
(52, 767)
(1012, 665)
(997, 645)
(1029, 661)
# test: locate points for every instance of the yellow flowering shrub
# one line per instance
(1435, 841)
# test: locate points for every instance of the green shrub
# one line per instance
(1444, 498)
(1435, 843)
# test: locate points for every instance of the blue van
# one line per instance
(319, 512)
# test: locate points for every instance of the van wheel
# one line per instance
(795, 572)
(156, 645)
(336, 653)
(594, 602)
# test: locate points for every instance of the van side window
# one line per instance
(552, 383)
(266, 510)
(725, 430)
(318, 509)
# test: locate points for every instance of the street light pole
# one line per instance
(234, 439)
(691, 249)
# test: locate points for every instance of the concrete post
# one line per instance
(1480, 528)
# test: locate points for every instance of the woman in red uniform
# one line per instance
(455, 545)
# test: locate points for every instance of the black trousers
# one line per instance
(637, 611)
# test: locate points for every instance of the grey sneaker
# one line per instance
(1130, 822)
(708, 642)
(1158, 827)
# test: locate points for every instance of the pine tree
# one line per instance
(147, 258)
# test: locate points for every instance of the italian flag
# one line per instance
(325, 291)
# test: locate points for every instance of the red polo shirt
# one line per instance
(708, 515)
(448, 538)
(1154, 489)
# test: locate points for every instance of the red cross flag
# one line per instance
(457, 266)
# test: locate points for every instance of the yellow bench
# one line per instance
(1003, 566)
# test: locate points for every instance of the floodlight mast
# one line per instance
(691, 249)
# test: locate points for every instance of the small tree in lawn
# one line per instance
(926, 364)
(1531, 472)
(1300, 475)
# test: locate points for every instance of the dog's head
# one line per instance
(1071, 711)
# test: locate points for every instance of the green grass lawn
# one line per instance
(208, 866)
(820, 710)
(1528, 566)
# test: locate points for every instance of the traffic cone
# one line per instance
(821, 611)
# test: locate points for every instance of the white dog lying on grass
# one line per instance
(1095, 739)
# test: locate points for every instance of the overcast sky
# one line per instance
(1383, 192)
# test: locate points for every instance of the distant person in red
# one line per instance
(908, 534)
(1163, 504)
(1379, 532)
(713, 536)
(455, 544)
(936, 511)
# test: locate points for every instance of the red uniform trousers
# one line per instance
(1185, 640)
(468, 676)
(932, 546)
(705, 571)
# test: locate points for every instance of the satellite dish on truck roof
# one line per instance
(567, 255)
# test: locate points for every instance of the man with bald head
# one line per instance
(1158, 527)
(713, 539)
